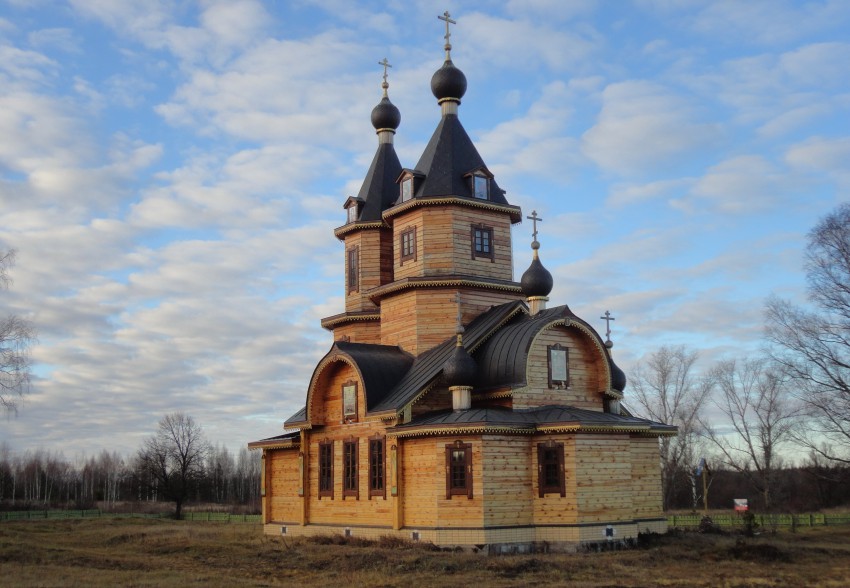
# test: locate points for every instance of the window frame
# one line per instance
(406, 189)
(411, 233)
(378, 467)
(473, 230)
(326, 469)
(557, 461)
(348, 416)
(558, 383)
(482, 181)
(453, 489)
(350, 469)
(351, 212)
(352, 260)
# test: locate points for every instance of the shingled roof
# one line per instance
(527, 421)
(379, 190)
(450, 155)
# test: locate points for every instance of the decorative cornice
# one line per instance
(275, 444)
(479, 429)
(342, 231)
(443, 282)
(515, 212)
(331, 322)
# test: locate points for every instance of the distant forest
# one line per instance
(41, 479)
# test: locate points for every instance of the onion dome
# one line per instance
(448, 82)
(536, 281)
(460, 369)
(385, 115)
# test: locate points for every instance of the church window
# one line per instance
(353, 269)
(326, 469)
(349, 401)
(550, 469)
(352, 213)
(408, 244)
(558, 366)
(349, 468)
(481, 187)
(406, 189)
(459, 469)
(377, 486)
(482, 242)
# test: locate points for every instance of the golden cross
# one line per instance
(386, 64)
(607, 318)
(534, 219)
(447, 17)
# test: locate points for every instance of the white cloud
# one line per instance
(643, 127)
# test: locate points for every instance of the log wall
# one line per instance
(646, 477)
(586, 378)
(603, 474)
(282, 501)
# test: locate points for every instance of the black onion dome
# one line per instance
(460, 369)
(536, 281)
(618, 377)
(385, 115)
(448, 82)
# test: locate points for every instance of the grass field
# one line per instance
(139, 552)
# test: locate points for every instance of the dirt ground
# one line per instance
(136, 552)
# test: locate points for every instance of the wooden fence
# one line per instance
(218, 517)
(766, 521)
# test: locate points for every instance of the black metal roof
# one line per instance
(450, 155)
(530, 418)
(379, 190)
(429, 365)
(381, 367)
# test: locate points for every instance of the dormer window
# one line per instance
(481, 187)
(479, 183)
(352, 208)
(406, 189)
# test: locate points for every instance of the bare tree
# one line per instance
(814, 343)
(754, 398)
(175, 457)
(16, 337)
(668, 391)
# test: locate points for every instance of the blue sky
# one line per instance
(171, 173)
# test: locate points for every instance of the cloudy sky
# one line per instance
(171, 172)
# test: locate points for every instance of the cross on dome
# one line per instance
(534, 219)
(447, 17)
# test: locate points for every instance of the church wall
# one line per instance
(646, 477)
(421, 318)
(368, 243)
(359, 332)
(603, 474)
(436, 399)
(362, 510)
(424, 470)
(507, 480)
(554, 509)
(586, 378)
(444, 243)
(282, 500)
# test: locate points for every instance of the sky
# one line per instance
(171, 172)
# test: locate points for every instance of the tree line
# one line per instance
(743, 412)
(44, 479)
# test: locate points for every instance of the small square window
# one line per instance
(408, 244)
(482, 242)
(481, 187)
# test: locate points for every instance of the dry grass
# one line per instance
(111, 552)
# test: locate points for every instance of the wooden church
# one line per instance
(454, 406)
